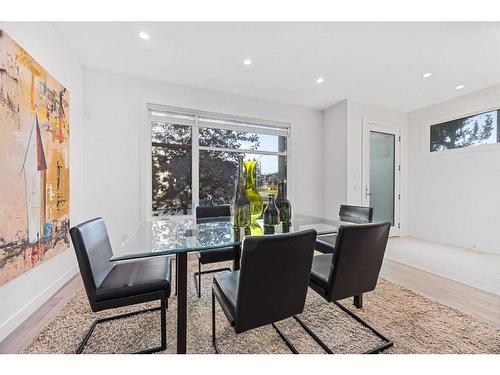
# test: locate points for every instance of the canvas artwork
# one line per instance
(34, 162)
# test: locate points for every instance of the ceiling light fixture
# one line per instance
(459, 87)
(144, 35)
(320, 80)
(247, 62)
(426, 75)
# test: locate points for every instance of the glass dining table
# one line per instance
(180, 236)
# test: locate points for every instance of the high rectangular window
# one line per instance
(480, 129)
(195, 158)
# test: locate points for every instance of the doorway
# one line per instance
(381, 173)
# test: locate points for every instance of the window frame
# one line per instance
(145, 138)
(426, 135)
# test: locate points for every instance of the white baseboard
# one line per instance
(30, 307)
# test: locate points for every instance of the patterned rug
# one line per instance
(416, 325)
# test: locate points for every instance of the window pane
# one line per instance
(222, 138)
(171, 169)
(217, 177)
(469, 131)
(165, 132)
(218, 173)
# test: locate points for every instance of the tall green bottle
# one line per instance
(271, 216)
(241, 204)
(256, 203)
(284, 207)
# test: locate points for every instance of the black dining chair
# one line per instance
(356, 214)
(270, 286)
(352, 214)
(211, 214)
(351, 270)
(110, 285)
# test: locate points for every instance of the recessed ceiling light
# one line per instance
(459, 87)
(426, 75)
(144, 35)
(320, 80)
(247, 62)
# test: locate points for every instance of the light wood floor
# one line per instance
(23, 334)
(483, 305)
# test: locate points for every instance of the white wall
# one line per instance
(114, 115)
(23, 295)
(334, 159)
(455, 197)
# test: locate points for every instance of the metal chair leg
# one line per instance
(214, 343)
(176, 275)
(378, 349)
(358, 301)
(387, 342)
(285, 339)
(313, 335)
(197, 277)
(163, 318)
(163, 323)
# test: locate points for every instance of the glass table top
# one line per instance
(177, 235)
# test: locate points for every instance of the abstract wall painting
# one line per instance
(34, 162)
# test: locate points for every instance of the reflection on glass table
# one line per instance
(180, 235)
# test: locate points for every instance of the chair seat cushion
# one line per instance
(225, 288)
(216, 255)
(326, 244)
(135, 278)
(320, 270)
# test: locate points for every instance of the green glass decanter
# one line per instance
(256, 202)
(241, 204)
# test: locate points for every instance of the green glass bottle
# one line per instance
(271, 216)
(241, 204)
(256, 202)
(284, 207)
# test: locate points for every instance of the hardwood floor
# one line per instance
(23, 334)
(483, 305)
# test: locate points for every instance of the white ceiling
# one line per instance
(377, 63)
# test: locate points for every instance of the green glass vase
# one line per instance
(256, 202)
(241, 204)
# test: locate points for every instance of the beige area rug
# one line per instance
(415, 324)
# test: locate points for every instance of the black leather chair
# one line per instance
(208, 214)
(352, 269)
(352, 214)
(110, 285)
(271, 284)
(356, 214)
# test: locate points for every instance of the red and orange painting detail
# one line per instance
(34, 162)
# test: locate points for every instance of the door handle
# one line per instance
(366, 192)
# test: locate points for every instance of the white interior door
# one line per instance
(381, 173)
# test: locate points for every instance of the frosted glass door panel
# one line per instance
(382, 162)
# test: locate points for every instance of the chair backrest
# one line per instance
(358, 256)
(356, 214)
(274, 277)
(93, 251)
(212, 213)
